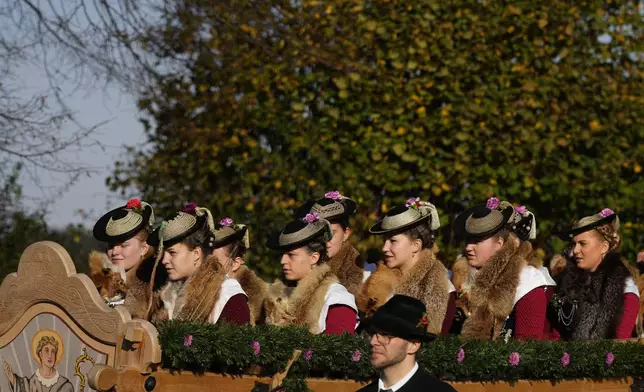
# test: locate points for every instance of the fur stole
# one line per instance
(138, 281)
(492, 294)
(462, 278)
(599, 298)
(256, 290)
(192, 299)
(301, 304)
(426, 281)
(377, 289)
(347, 266)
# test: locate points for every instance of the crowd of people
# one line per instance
(192, 267)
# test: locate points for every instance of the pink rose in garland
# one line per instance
(514, 359)
(356, 356)
(256, 347)
(308, 354)
(335, 195)
(610, 358)
(606, 212)
(187, 341)
(460, 357)
(565, 360)
(493, 203)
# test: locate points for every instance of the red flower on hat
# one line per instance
(424, 322)
(133, 204)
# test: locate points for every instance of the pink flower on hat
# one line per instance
(412, 202)
(514, 359)
(521, 210)
(311, 217)
(190, 208)
(493, 203)
(606, 212)
(335, 195)
(226, 222)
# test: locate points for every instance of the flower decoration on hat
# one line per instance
(423, 322)
(311, 217)
(335, 195)
(414, 202)
(606, 212)
(521, 210)
(524, 223)
(493, 203)
(226, 222)
(190, 208)
(134, 205)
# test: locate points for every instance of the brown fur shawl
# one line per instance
(256, 290)
(346, 265)
(492, 294)
(192, 299)
(301, 304)
(462, 279)
(426, 281)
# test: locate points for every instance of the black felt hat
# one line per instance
(402, 316)
(590, 222)
(184, 223)
(333, 207)
(124, 222)
(404, 217)
(483, 220)
(228, 232)
(300, 232)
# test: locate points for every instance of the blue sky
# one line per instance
(91, 106)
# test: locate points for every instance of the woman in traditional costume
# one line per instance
(507, 294)
(199, 287)
(344, 260)
(308, 294)
(596, 297)
(125, 230)
(231, 244)
(410, 266)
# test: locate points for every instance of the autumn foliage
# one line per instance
(273, 102)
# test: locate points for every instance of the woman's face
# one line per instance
(127, 254)
(340, 236)
(479, 253)
(589, 249)
(399, 250)
(297, 263)
(181, 262)
(48, 356)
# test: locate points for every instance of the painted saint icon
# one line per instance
(47, 350)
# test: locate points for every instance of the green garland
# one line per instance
(233, 349)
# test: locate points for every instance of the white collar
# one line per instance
(47, 382)
(401, 383)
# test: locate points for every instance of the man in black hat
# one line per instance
(397, 330)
